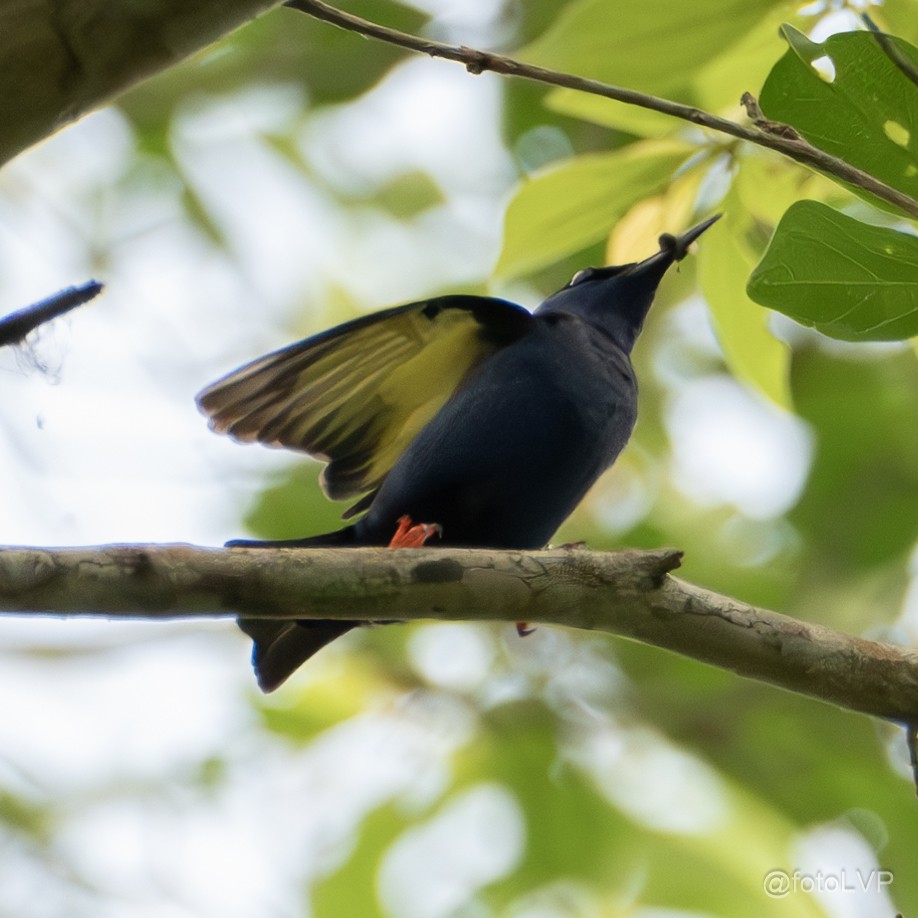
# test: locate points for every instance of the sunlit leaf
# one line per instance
(636, 235)
(751, 351)
(859, 105)
(631, 119)
(712, 84)
(655, 46)
(765, 186)
(719, 80)
(845, 278)
(571, 206)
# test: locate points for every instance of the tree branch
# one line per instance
(62, 59)
(17, 326)
(627, 593)
(772, 135)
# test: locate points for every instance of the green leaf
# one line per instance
(711, 85)
(655, 46)
(632, 119)
(717, 81)
(568, 207)
(867, 114)
(751, 351)
(845, 278)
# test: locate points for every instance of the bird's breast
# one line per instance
(513, 451)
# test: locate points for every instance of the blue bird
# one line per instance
(465, 414)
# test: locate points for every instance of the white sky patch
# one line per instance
(421, 116)
(837, 866)
(455, 656)
(431, 871)
(731, 447)
(655, 783)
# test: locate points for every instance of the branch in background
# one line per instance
(17, 325)
(626, 593)
(787, 142)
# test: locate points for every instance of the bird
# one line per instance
(467, 417)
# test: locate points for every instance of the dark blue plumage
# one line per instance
(535, 408)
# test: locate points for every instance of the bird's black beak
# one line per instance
(673, 248)
(679, 244)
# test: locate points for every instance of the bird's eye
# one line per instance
(580, 277)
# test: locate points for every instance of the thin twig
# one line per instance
(628, 593)
(17, 325)
(911, 738)
(898, 59)
(475, 61)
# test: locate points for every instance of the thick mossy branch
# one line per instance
(60, 59)
(627, 593)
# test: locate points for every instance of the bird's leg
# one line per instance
(413, 535)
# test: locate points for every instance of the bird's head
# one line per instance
(616, 298)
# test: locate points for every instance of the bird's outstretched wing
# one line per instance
(356, 395)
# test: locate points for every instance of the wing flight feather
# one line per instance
(356, 395)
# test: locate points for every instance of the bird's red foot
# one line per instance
(413, 535)
(523, 629)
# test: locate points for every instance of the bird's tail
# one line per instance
(281, 647)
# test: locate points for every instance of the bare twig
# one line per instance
(911, 738)
(16, 326)
(899, 60)
(627, 593)
(757, 117)
(475, 61)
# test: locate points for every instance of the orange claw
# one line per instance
(411, 535)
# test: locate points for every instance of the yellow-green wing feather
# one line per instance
(355, 396)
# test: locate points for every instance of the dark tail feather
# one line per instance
(281, 647)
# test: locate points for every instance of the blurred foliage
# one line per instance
(861, 507)
(564, 775)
